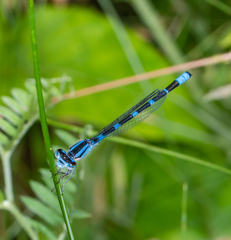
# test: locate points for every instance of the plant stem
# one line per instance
(6, 157)
(220, 5)
(225, 57)
(148, 147)
(43, 121)
(7, 176)
(184, 211)
(20, 218)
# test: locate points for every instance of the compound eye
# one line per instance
(57, 153)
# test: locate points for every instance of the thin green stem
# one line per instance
(64, 126)
(172, 154)
(148, 147)
(20, 218)
(7, 176)
(44, 123)
(184, 212)
(6, 157)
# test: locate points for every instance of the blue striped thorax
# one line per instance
(80, 149)
(75, 153)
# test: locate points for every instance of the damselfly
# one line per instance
(122, 124)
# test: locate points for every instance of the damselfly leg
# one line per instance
(62, 177)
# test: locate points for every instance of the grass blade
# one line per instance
(220, 5)
(148, 147)
(184, 212)
(124, 39)
(151, 18)
(43, 120)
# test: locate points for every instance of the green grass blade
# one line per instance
(184, 212)
(171, 153)
(151, 18)
(220, 5)
(125, 41)
(148, 147)
(43, 120)
(66, 137)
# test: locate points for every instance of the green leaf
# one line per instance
(46, 176)
(56, 92)
(78, 213)
(21, 96)
(9, 115)
(45, 195)
(66, 137)
(70, 187)
(45, 172)
(7, 127)
(30, 85)
(41, 228)
(12, 103)
(45, 83)
(42, 211)
(4, 139)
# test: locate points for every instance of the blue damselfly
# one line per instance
(122, 124)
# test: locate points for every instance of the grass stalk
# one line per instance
(145, 76)
(151, 18)
(184, 211)
(124, 39)
(9, 206)
(7, 176)
(220, 5)
(148, 147)
(43, 121)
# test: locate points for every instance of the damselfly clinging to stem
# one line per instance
(122, 124)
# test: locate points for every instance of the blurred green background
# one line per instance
(130, 193)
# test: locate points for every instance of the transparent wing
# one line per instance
(139, 117)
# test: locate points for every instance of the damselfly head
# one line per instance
(63, 160)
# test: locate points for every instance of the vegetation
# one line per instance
(169, 177)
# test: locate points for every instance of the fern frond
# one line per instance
(46, 206)
(21, 110)
(16, 117)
